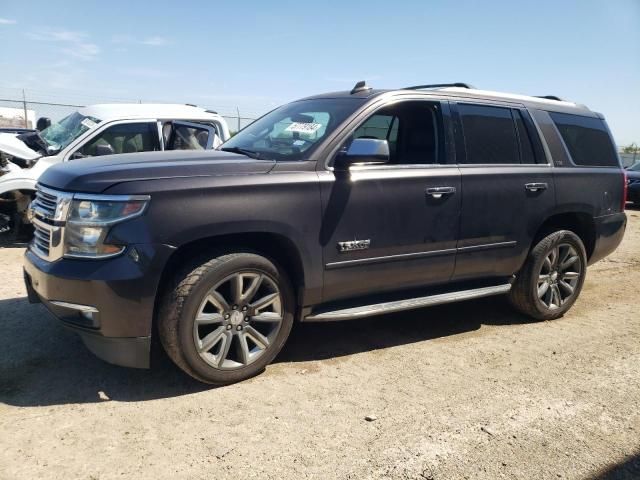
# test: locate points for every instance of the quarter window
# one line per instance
(587, 140)
(489, 134)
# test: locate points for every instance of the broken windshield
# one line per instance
(61, 134)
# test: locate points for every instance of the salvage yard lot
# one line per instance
(472, 390)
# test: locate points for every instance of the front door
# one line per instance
(393, 226)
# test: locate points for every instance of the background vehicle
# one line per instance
(633, 184)
(334, 207)
(99, 130)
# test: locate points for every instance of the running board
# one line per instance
(408, 304)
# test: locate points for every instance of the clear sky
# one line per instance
(256, 55)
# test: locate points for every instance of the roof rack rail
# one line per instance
(550, 97)
(440, 85)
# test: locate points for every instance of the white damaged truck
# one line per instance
(92, 131)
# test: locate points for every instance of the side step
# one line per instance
(408, 304)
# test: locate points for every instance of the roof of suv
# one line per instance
(113, 111)
(544, 103)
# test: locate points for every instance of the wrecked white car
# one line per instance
(97, 130)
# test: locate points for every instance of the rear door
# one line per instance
(507, 188)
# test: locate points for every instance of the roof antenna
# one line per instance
(361, 86)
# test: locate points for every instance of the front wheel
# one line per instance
(552, 276)
(225, 319)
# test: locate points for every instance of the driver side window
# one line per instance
(122, 138)
(413, 129)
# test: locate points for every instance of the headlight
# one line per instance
(91, 217)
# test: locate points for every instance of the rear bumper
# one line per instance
(609, 232)
(633, 193)
(108, 302)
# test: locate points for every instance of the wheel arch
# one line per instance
(273, 246)
(580, 223)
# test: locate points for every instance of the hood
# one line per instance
(10, 144)
(95, 175)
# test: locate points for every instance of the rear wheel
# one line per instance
(227, 318)
(552, 277)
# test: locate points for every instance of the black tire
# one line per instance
(524, 291)
(183, 299)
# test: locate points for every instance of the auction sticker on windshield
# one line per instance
(299, 127)
(87, 122)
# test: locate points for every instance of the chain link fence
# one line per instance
(22, 111)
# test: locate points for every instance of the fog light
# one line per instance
(84, 315)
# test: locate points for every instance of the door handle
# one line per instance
(438, 192)
(534, 187)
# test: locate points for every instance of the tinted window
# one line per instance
(124, 138)
(587, 140)
(526, 147)
(489, 134)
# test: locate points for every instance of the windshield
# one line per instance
(635, 167)
(59, 135)
(292, 131)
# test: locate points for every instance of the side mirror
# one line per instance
(42, 123)
(362, 150)
(104, 149)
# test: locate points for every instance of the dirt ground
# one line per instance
(471, 390)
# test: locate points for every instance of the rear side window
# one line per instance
(587, 140)
(489, 134)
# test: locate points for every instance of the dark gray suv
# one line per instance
(333, 207)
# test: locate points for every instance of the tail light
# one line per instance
(625, 189)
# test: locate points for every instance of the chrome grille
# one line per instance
(44, 204)
(41, 239)
(48, 215)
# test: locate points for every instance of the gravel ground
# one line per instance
(471, 390)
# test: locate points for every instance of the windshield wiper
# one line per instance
(243, 151)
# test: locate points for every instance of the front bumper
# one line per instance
(109, 302)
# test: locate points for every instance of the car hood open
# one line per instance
(11, 145)
(95, 175)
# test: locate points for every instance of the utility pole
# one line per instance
(24, 104)
(238, 110)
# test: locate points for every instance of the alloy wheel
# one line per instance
(238, 320)
(559, 276)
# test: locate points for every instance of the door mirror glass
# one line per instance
(363, 151)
